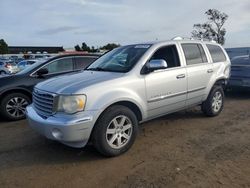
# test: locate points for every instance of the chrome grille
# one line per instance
(43, 102)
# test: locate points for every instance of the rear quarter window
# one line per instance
(216, 53)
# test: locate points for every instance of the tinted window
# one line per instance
(169, 54)
(216, 53)
(83, 62)
(194, 54)
(60, 65)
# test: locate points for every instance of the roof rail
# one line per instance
(188, 38)
(182, 38)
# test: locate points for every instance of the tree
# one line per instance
(213, 29)
(77, 48)
(85, 47)
(110, 46)
(3, 47)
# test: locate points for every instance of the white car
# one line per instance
(7, 67)
(129, 85)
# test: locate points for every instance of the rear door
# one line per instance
(199, 72)
(166, 89)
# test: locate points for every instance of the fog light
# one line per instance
(57, 134)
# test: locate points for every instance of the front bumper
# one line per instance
(71, 130)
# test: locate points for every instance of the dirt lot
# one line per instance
(184, 149)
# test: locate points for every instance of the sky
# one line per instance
(98, 22)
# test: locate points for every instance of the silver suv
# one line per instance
(129, 85)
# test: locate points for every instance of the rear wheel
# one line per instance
(115, 131)
(13, 106)
(214, 103)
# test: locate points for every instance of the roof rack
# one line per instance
(191, 38)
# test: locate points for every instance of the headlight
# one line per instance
(71, 104)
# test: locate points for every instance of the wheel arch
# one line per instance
(219, 82)
(131, 105)
(16, 90)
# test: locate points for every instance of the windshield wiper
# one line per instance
(96, 69)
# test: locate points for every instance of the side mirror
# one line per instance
(157, 64)
(42, 72)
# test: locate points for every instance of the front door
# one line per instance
(166, 89)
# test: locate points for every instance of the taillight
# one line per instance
(8, 65)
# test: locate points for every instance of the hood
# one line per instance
(70, 84)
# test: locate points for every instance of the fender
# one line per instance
(15, 89)
(119, 95)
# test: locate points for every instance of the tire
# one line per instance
(112, 134)
(12, 106)
(214, 103)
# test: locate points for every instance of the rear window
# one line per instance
(194, 54)
(216, 53)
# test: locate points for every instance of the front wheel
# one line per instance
(115, 131)
(214, 103)
(12, 106)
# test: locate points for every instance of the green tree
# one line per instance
(85, 47)
(3, 47)
(110, 46)
(78, 48)
(213, 29)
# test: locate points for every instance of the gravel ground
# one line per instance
(185, 149)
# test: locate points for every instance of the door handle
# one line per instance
(180, 76)
(210, 70)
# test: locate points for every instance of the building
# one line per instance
(35, 49)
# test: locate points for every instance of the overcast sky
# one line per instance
(97, 22)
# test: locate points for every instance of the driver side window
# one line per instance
(60, 65)
(169, 54)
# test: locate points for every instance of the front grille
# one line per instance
(43, 102)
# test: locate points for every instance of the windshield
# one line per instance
(120, 59)
(31, 67)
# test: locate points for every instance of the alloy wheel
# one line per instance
(119, 132)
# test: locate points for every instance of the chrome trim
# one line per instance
(197, 89)
(155, 99)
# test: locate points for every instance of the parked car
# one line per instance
(26, 63)
(16, 90)
(240, 73)
(130, 84)
(7, 67)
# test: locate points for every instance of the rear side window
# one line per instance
(216, 53)
(194, 54)
(83, 62)
(169, 54)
